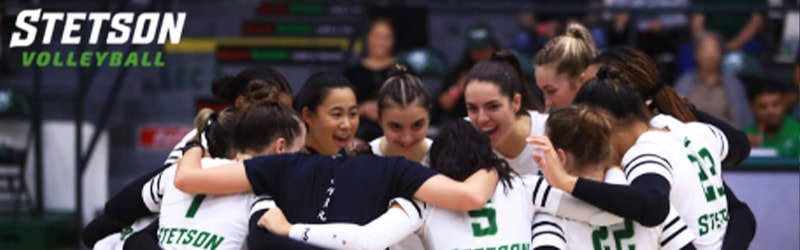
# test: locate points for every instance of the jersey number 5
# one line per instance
(601, 234)
(195, 205)
(477, 227)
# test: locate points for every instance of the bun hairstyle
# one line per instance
(261, 92)
(505, 71)
(216, 128)
(402, 89)
(316, 89)
(229, 87)
(636, 70)
(265, 119)
(608, 92)
(569, 53)
(459, 150)
(583, 131)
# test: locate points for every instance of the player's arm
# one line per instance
(190, 177)
(554, 201)
(675, 234)
(735, 139)
(646, 200)
(390, 228)
(547, 233)
(471, 194)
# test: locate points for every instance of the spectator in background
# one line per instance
(773, 127)
(481, 44)
(532, 35)
(709, 88)
(370, 73)
(657, 34)
(739, 29)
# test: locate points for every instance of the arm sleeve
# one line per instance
(551, 200)
(646, 200)
(177, 151)
(737, 140)
(741, 223)
(409, 176)
(258, 238)
(129, 204)
(388, 229)
(265, 173)
(675, 235)
(153, 190)
(547, 233)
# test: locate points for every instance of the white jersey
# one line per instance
(664, 154)
(503, 223)
(560, 233)
(412, 241)
(706, 212)
(523, 163)
(202, 221)
(376, 148)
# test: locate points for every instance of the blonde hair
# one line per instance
(570, 53)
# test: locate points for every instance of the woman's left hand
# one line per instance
(275, 221)
(552, 168)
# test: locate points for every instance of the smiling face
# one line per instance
(557, 88)
(334, 123)
(491, 112)
(405, 127)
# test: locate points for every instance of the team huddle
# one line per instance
(621, 162)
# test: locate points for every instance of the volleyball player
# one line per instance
(130, 209)
(561, 64)
(314, 187)
(403, 114)
(641, 73)
(504, 223)
(582, 137)
(655, 163)
(500, 105)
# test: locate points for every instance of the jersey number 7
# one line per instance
(195, 205)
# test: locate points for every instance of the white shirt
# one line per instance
(704, 206)
(202, 221)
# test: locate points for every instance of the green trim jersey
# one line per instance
(503, 223)
(564, 234)
(698, 193)
(202, 221)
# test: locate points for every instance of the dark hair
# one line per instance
(765, 87)
(402, 89)
(608, 92)
(504, 71)
(217, 129)
(316, 89)
(265, 120)
(583, 131)
(459, 150)
(570, 53)
(229, 87)
(635, 69)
